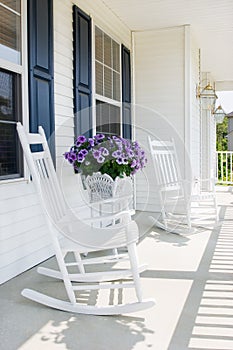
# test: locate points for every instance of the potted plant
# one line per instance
(107, 159)
(112, 155)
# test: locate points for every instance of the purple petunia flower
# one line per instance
(119, 160)
(100, 159)
(104, 151)
(81, 139)
(96, 154)
(99, 137)
(116, 138)
(81, 158)
(134, 163)
(91, 142)
(73, 156)
(77, 143)
(66, 155)
(129, 152)
(84, 152)
(117, 154)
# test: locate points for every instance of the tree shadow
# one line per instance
(102, 332)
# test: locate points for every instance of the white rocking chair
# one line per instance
(177, 204)
(71, 235)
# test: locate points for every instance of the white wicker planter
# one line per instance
(102, 186)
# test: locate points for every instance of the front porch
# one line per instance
(190, 278)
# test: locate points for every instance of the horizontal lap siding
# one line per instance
(159, 99)
(24, 240)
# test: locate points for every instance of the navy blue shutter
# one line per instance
(126, 92)
(82, 73)
(41, 74)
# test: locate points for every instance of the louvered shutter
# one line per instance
(82, 73)
(126, 93)
(41, 75)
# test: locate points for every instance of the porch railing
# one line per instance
(224, 167)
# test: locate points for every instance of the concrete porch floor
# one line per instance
(190, 277)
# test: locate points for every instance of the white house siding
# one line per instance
(166, 73)
(159, 98)
(23, 233)
(195, 127)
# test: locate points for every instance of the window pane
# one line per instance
(6, 96)
(116, 86)
(10, 112)
(10, 36)
(10, 161)
(13, 4)
(107, 118)
(114, 120)
(102, 117)
(107, 82)
(116, 56)
(107, 50)
(99, 78)
(98, 44)
(107, 66)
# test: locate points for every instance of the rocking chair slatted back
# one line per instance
(165, 162)
(168, 175)
(172, 194)
(43, 173)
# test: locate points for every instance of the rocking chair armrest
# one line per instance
(164, 187)
(210, 181)
(111, 200)
(124, 216)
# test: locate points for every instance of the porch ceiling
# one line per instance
(210, 20)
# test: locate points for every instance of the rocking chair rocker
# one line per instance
(71, 236)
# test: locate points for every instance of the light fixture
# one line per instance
(219, 114)
(207, 94)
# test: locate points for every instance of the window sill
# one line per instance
(8, 181)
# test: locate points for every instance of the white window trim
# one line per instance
(96, 96)
(21, 69)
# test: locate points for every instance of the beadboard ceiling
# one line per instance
(211, 23)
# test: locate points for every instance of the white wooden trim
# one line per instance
(133, 118)
(24, 81)
(13, 67)
(133, 92)
(93, 76)
(187, 97)
(23, 71)
(10, 9)
(107, 100)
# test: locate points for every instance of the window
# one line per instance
(108, 118)
(10, 88)
(107, 78)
